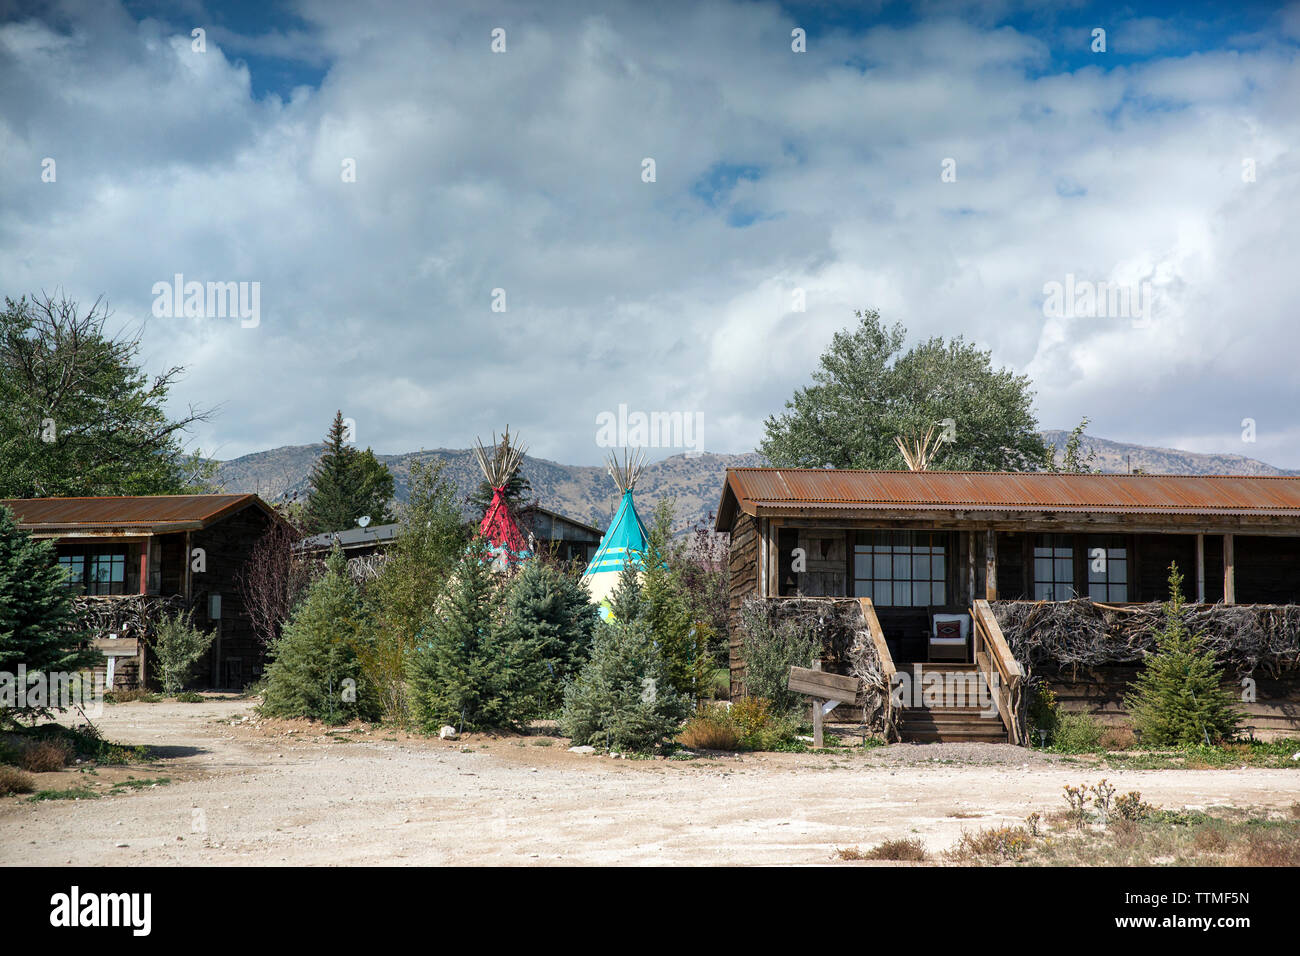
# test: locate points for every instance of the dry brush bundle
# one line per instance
(626, 473)
(504, 459)
(847, 647)
(1069, 635)
(126, 615)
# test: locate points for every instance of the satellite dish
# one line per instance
(363, 520)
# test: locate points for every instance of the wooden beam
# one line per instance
(1200, 569)
(1229, 572)
(990, 565)
(970, 565)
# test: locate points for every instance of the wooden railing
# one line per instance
(1002, 672)
(887, 668)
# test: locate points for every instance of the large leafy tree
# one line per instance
(867, 391)
(347, 484)
(78, 416)
(36, 617)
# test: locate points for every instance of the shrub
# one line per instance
(37, 627)
(428, 547)
(1042, 710)
(1002, 843)
(45, 755)
(14, 781)
(1179, 698)
(758, 726)
(912, 851)
(549, 621)
(710, 729)
(314, 671)
(1077, 733)
(769, 651)
(683, 641)
(177, 647)
(456, 675)
(622, 698)
(1129, 806)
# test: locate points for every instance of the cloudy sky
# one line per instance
(942, 162)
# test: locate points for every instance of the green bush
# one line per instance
(1179, 699)
(623, 699)
(37, 626)
(1077, 733)
(1042, 710)
(314, 670)
(547, 629)
(177, 646)
(770, 651)
(759, 725)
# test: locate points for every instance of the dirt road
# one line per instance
(287, 793)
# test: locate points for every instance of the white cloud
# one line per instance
(522, 171)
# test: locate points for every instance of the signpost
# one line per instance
(827, 691)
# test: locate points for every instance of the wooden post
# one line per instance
(970, 566)
(1200, 569)
(991, 565)
(1229, 572)
(817, 713)
(144, 567)
(762, 557)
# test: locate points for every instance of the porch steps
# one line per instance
(955, 719)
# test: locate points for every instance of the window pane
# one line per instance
(902, 593)
(1064, 570)
(882, 567)
(936, 594)
(920, 594)
(862, 565)
(936, 567)
(1119, 592)
(862, 589)
(1042, 591)
(921, 567)
(902, 567)
(1042, 569)
(1097, 592)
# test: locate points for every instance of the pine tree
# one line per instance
(622, 698)
(548, 626)
(314, 671)
(455, 678)
(1179, 698)
(667, 612)
(37, 624)
(626, 601)
(346, 484)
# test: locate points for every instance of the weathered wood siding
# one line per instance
(742, 571)
(1100, 692)
(227, 545)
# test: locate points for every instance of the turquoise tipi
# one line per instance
(625, 541)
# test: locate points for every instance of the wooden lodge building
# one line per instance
(920, 550)
(127, 555)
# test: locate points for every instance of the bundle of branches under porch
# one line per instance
(1070, 635)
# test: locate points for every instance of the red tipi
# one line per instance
(505, 542)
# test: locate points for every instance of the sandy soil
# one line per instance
(248, 792)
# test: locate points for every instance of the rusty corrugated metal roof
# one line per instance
(143, 512)
(837, 491)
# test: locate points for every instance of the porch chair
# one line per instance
(949, 637)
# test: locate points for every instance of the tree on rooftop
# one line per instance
(867, 391)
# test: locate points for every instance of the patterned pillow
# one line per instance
(947, 629)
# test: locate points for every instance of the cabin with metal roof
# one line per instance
(126, 554)
(934, 558)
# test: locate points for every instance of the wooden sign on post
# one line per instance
(826, 690)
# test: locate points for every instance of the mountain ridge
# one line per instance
(586, 493)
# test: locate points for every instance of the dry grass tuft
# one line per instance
(709, 731)
(911, 851)
(13, 780)
(44, 756)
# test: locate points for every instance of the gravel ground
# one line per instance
(243, 791)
